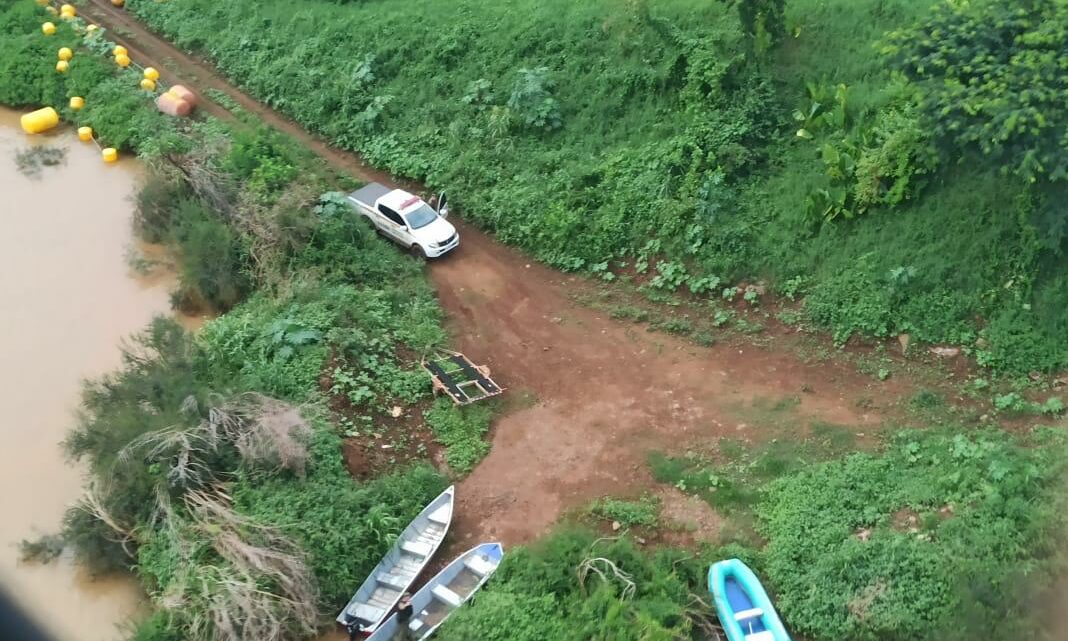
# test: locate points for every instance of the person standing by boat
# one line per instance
(404, 616)
(354, 629)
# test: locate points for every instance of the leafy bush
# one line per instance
(986, 72)
(461, 431)
(950, 571)
(212, 262)
(556, 599)
(532, 101)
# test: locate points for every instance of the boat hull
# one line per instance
(745, 611)
(447, 591)
(395, 573)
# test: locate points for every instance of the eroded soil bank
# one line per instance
(68, 298)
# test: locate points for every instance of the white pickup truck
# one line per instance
(407, 219)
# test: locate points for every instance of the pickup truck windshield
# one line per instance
(421, 217)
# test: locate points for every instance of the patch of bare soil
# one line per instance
(610, 392)
(686, 519)
(393, 437)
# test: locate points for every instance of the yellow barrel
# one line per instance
(151, 74)
(77, 102)
(68, 8)
(65, 53)
(122, 60)
(62, 66)
(109, 154)
(41, 120)
(148, 85)
(48, 28)
(85, 134)
(120, 50)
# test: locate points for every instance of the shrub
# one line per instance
(461, 431)
(212, 264)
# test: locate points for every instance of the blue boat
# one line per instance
(744, 609)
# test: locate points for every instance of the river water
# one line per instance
(67, 299)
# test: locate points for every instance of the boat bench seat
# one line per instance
(393, 581)
(441, 515)
(364, 612)
(416, 548)
(415, 625)
(446, 596)
(748, 614)
(766, 635)
(478, 565)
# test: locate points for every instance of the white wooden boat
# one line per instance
(396, 571)
(446, 592)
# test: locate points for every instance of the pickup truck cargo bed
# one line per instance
(368, 194)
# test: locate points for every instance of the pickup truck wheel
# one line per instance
(417, 253)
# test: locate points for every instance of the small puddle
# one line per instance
(67, 299)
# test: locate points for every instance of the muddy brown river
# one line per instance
(67, 299)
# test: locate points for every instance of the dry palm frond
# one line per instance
(263, 590)
(265, 432)
(212, 186)
(275, 433)
(94, 502)
(186, 449)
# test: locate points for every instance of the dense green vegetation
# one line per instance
(661, 135)
(940, 536)
(863, 150)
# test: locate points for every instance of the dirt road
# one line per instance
(603, 393)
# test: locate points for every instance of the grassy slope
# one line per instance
(652, 99)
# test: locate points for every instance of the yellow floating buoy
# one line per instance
(85, 134)
(120, 50)
(67, 17)
(109, 154)
(118, 3)
(90, 28)
(122, 60)
(48, 28)
(77, 102)
(148, 85)
(68, 8)
(151, 73)
(52, 10)
(62, 66)
(41, 120)
(65, 53)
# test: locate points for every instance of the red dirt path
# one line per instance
(607, 392)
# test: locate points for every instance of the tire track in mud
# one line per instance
(603, 393)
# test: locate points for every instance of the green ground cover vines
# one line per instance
(838, 142)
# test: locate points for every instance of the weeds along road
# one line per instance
(590, 396)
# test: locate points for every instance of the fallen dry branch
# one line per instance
(602, 567)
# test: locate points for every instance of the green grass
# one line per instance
(642, 512)
(462, 431)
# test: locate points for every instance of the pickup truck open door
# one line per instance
(443, 205)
